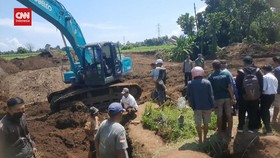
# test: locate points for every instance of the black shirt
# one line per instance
(240, 77)
(11, 131)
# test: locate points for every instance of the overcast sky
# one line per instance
(103, 20)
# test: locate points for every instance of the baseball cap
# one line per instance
(14, 101)
(93, 110)
(159, 61)
(125, 90)
(115, 108)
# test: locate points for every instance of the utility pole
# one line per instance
(123, 40)
(195, 17)
(158, 30)
(197, 28)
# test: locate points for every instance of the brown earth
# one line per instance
(184, 154)
(238, 50)
(254, 146)
(61, 134)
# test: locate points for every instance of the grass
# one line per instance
(165, 122)
(148, 49)
(20, 56)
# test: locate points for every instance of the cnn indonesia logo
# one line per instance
(22, 17)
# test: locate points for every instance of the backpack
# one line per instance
(251, 86)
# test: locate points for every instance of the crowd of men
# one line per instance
(254, 91)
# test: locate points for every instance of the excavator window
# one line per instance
(108, 60)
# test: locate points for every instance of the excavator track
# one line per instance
(100, 97)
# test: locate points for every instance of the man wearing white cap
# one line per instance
(160, 85)
(128, 101)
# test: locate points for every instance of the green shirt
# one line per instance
(220, 81)
(199, 62)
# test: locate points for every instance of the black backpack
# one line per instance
(251, 86)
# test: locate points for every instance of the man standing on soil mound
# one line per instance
(223, 94)
(276, 103)
(270, 85)
(110, 140)
(249, 82)
(187, 67)
(15, 141)
(199, 61)
(200, 94)
(160, 83)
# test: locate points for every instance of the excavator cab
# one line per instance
(106, 66)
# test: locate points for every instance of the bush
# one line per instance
(165, 122)
(22, 50)
(163, 54)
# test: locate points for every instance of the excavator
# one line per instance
(95, 76)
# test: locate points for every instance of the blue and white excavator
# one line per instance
(95, 76)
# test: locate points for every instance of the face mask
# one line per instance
(17, 115)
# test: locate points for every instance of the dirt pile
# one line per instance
(184, 154)
(40, 61)
(8, 67)
(239, 50)
(31, 63)
(253, 146)
(33, 86)
(59, 134)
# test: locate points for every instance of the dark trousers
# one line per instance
(252, 108)
(188, 77)
(266, 101)
(92, 151)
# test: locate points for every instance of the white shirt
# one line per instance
(270, 84)
(155, 73)
(130, 101)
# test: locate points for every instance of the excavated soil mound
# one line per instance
(8, 67)
(253, 146)
(237, 50)
(59, 134)
(35, 85)
(266, 147)
(37, 62)
(184, 154)
(31, 63)
(67, 119)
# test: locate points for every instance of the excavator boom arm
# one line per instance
(54, 12)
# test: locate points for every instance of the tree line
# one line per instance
(229, 21)
(164, 40)
(29, 48)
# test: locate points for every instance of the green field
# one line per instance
(148, 49)
(19, 56)
(132, 50)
